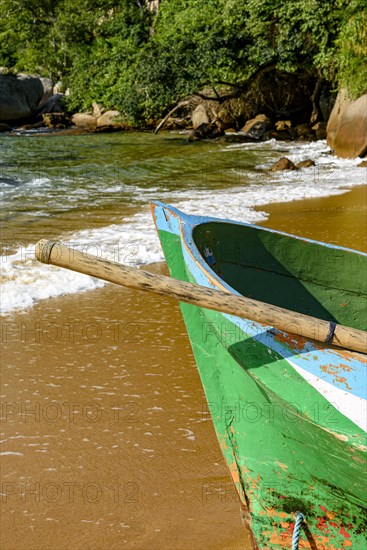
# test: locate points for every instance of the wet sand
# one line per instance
(107, 442)
(339, 219)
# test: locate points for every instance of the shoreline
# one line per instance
(335, 219)
(346, 226)
(125, 355)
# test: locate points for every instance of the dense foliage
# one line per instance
(119, 53)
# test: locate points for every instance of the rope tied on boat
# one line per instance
(330, 336)
(297, 529)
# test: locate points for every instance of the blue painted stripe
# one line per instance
(320, 363)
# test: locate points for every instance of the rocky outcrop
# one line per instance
(19, 96)
(255, 128)
(347, 126)
(320, 130)
(110, 119)
(206, 131)
(199, 117)
(283, 125)
(47, 88)
(98, 110)
(283, 164)
(53, 104)
(35, 126)
(305, 164)
(56, 121)
(275, 93)
(99, 121)
(84, 120)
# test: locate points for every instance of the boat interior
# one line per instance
(304, 276)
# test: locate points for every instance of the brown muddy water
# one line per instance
(109, 441)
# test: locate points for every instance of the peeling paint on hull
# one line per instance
(288, 445)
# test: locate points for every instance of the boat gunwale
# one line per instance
(286, 340)
(192, 221)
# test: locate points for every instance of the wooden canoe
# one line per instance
(289, 413)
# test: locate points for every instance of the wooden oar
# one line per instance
(50, 252)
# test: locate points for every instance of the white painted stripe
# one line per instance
(351, 406)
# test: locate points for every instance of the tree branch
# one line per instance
(178, 106)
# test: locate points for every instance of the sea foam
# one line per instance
(134, 242)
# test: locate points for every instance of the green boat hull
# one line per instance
(288, 448)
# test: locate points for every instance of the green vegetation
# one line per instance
(118, 53)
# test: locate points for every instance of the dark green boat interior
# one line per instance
(303, 276)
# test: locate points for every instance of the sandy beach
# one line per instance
(109, 440)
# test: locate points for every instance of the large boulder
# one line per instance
(47, 88)
(320, 129)
(84, 120)
(19, 96)
(53, 104)
(256, 127)
(283, 164)
(347, 126)
(206, 131)
(305, 164)
(56, 121)
(199, 117)
(98, 110)
(110, 119)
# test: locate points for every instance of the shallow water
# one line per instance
(93, 192)
(106, 437)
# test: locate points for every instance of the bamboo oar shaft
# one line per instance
(50, 252)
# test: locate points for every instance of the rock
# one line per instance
(275, 93)
(19, 96)
(256, 127)
(172, 123)
(56, 120)
(305, 164)
(320, 130)
(39, 124)
(230, 131)
(47, 89)
(98, 110)
(336, 115)
(282, 125)
(283, 164)
(362, 164)
(73, 131)
(84, 120)
(59, 88)
(5, 127)
(206, 131)
(303, 131)
(109, 119)
(225, 120)
(326, 101)
(347, 126)
(281, 135)
(199, 117)
(53, 104)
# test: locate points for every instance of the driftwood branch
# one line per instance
(182, 103)
(217, 97)
(238, 90)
